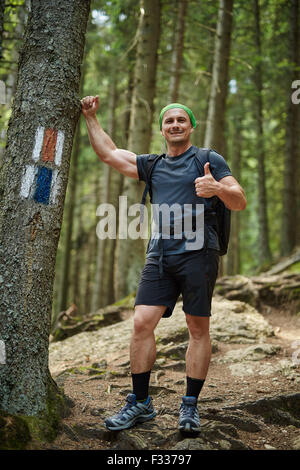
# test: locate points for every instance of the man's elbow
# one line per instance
(242, 204)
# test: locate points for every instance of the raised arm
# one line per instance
(123, 161)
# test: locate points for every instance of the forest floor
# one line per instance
(250, 399)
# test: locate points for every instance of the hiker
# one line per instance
(171, 269)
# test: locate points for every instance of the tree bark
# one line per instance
(264, 252)
(214, 135)
(10, 78)
(233, 256)
(2, 8)
(131, 253)
(69, 213)
(33, 183)
(290, 219)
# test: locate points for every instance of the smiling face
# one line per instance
(176, 126)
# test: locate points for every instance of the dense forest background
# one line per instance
(257, 52)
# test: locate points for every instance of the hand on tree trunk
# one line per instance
(89, 105)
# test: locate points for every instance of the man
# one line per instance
(171, 268)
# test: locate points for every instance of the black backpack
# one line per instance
(223, 214)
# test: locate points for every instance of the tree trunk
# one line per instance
(69, 213)
(2, 8)
(131, 253)
(233, 256)
(78, 260)
(68, 220)
(10, 78)
(90, 257)
(290, 233)
(264, 252)
(33, 184)
(177, 52)
(214, 135)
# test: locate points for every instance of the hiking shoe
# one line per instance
(189, 420)
(133, 412)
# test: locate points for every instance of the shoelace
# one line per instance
(188, 410)
(127, 406)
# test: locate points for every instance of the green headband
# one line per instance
(177, 105)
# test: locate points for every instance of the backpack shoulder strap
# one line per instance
(202, 157)
(151, 161)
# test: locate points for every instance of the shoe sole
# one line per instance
(188, 428)
(130, 424)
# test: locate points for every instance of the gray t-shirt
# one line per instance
(172, 182)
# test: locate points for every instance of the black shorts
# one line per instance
(192, 274)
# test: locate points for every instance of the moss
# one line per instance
(126, 301)
(14, 432)
(94, 371)
(295, 268)
(20, 432)
(98, 317)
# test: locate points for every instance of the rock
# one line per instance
(267, 288)
(93, 432)
(158, 375)
(130, 440)
(296, 443)
(177, 352)
(176, 366)
(238, 288)
(235, 418)
(241, 369)
(194, 444)
(280, 409)
(252, 353)
(231, 321)
(173, 351)
(97, 411)
(180, 382)
(213, 436)
(100, 365)
(268, 447)
(70, 432)
(237, 322)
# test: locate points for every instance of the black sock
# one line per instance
(140, 384)
(193, 387)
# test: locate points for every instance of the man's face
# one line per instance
(176, 126)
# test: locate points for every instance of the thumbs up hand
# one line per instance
(206, 186)
(207, 169)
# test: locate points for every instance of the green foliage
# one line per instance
(110, 56)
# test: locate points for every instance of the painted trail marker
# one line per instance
(41, 180)
(2, 352)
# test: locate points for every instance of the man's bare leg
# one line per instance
(142, 345)
(142, 357)
(199, 349)
(197, 362)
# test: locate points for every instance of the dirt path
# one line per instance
(250, 399)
